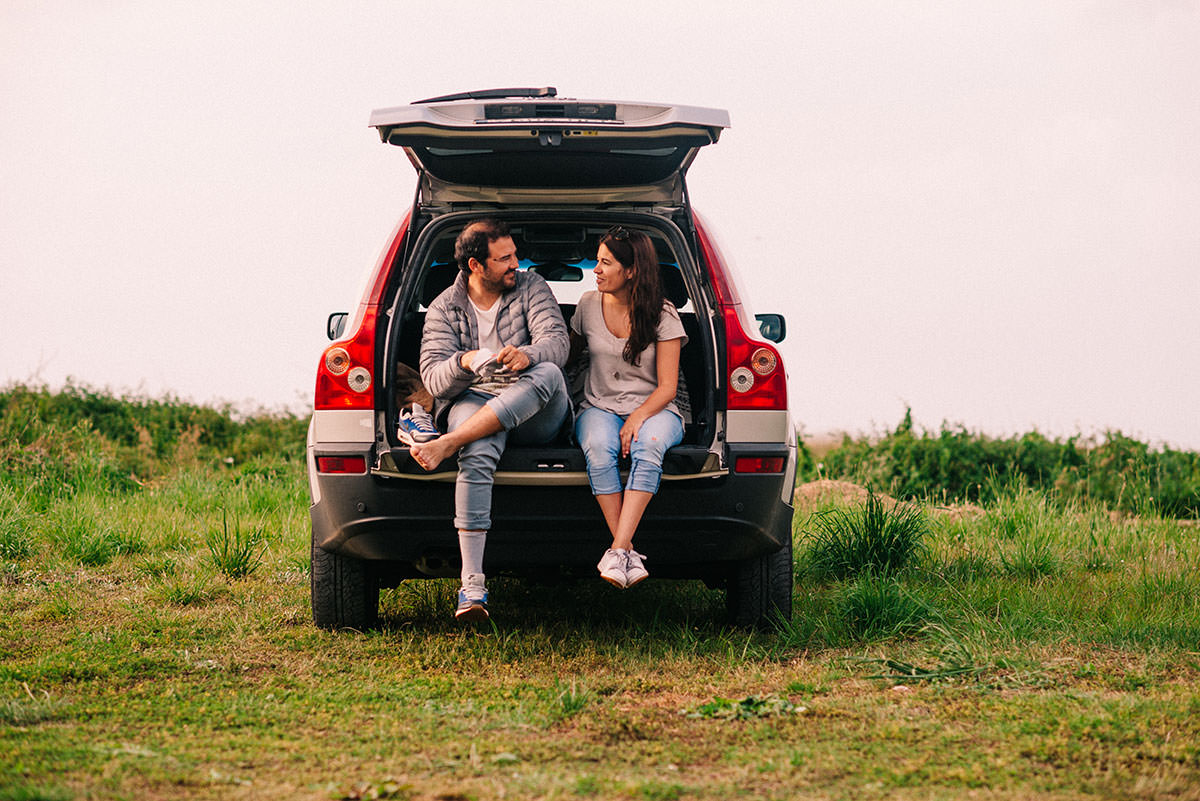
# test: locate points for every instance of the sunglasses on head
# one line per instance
(618, 233)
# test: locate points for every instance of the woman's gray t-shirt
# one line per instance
(612, 383)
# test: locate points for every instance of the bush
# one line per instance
(954, 464)
(56, 444)
(870, 539)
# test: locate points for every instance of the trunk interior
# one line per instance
(562, 249)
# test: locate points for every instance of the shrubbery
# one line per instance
(55, 444)
(870, 539)
(959, 465)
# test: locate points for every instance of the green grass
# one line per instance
(874, 538)
(1038, 647)
(235, 552)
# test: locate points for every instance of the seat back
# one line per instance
(437, 278)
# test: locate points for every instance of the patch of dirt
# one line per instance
(817, 493)
(827, 491)
(959, 511)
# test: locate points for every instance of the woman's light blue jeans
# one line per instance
(599, 434)
(532, 411)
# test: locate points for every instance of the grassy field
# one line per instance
(156, 642)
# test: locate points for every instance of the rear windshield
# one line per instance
(568, 282)
(565, 257)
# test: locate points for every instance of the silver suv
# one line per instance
(560, 172)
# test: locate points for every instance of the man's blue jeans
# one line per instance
(599, 434)
(532, 411)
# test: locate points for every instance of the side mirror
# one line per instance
(336, 324)
(772, 327)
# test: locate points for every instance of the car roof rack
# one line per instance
(491, 94)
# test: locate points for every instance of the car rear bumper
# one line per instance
(691, 526)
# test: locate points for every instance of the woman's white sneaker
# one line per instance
(612, 567)
(635, 571)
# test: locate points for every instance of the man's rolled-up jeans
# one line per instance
(532, 411)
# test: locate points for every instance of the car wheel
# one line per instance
(760, 589)
(345, 592)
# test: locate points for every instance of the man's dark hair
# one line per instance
(475, 240)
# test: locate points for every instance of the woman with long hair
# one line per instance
(634, 337)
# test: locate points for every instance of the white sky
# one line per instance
(989, 211)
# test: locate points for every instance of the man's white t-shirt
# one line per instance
(491, 381)
(488, 338)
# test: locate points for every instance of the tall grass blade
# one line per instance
(235, 552)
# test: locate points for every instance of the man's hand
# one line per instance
(513, 358)
(468, 359)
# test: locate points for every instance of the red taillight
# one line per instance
(755, 375)
(753, 372)
(346, 372)
(758, 464)
(341, 464)
(344, 375)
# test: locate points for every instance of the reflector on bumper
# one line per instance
(341, 464)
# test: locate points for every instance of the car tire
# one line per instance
(759, 590)
(345, 591)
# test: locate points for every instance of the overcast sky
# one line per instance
(987, 211)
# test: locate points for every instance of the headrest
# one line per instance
(673, 287)
(437, 278)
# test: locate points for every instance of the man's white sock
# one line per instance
(471, 545)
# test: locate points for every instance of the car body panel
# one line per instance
(343, 425)
(757, 425)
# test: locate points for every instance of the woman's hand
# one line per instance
(667, 353)
(629, 431)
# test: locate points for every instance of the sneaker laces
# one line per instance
(421, 419)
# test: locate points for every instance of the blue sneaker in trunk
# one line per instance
(416, 425)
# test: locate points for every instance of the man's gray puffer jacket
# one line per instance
(529, 318)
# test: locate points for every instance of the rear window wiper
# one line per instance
(490, 94)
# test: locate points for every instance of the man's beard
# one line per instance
(500, 286)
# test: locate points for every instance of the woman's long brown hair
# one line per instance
(635, 251)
